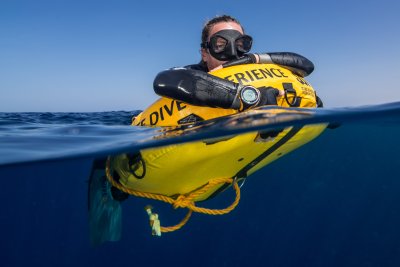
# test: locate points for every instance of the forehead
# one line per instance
(225, 26)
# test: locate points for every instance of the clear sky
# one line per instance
(77, 55)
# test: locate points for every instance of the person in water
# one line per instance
(224, 43)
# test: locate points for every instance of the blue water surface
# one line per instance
(332, 202)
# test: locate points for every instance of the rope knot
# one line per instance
(182, 202)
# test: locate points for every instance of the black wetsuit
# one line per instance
(192, 84)
(297, 63)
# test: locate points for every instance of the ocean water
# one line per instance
(333, 202)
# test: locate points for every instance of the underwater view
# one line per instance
(152, 133)
(332, 202)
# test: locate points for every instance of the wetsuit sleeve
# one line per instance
(295, 62)
(292, 61)
(197, 88)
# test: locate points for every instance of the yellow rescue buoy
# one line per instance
(186, 171)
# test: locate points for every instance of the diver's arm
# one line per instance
(292, 61)
(195, 87)
(202, 89)
(295, 62)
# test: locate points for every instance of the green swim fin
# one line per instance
(105, 213)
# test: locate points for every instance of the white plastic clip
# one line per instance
(154, 221)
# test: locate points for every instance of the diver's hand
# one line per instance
(269, 96)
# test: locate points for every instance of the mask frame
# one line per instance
(227, 45)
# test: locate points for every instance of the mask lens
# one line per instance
(218, 44)
(229, 44)
(243, 44)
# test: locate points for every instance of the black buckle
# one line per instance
(288, 87)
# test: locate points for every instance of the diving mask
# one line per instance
(226, 45)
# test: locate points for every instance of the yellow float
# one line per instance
(184, 174)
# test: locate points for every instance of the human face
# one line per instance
(212, 62)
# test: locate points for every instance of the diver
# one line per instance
(224, 43)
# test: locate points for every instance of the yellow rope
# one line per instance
(183, 201)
